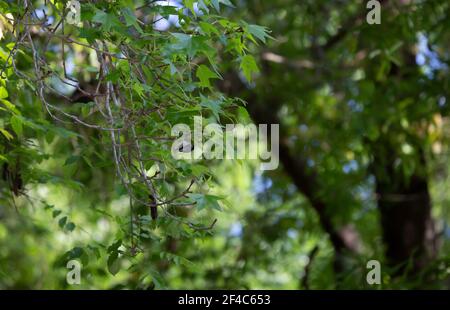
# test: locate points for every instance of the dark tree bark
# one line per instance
(405, 212)
(404, 201)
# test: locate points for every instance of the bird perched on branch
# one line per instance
(153, 208)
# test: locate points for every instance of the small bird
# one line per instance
(154, 208)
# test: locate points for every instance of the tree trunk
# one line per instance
(405, 210)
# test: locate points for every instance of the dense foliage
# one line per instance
(86, 112)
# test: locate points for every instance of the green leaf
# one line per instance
(157, 279)
(243, 113)
(213, 105)
(177, 260)
(6, 134)
(198, 170)
(62, 222)
(94, 250)
(131, 20)
(216, 4)
(248, 67)
(115, 246)
(113, 263)
(89, 34)
(108, 21)
(88, 161)
(205, 74)
(70, 226)
(3, 93)
(74, 253)
(55, 213)
(48, 207)
(190, 5)
(17, 125)
(207, 28)
(10, 106)
(258, 31)
(204, 201)
(183, 41)
(71, 159)
(191, 45)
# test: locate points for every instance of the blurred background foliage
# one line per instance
(363, 111)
